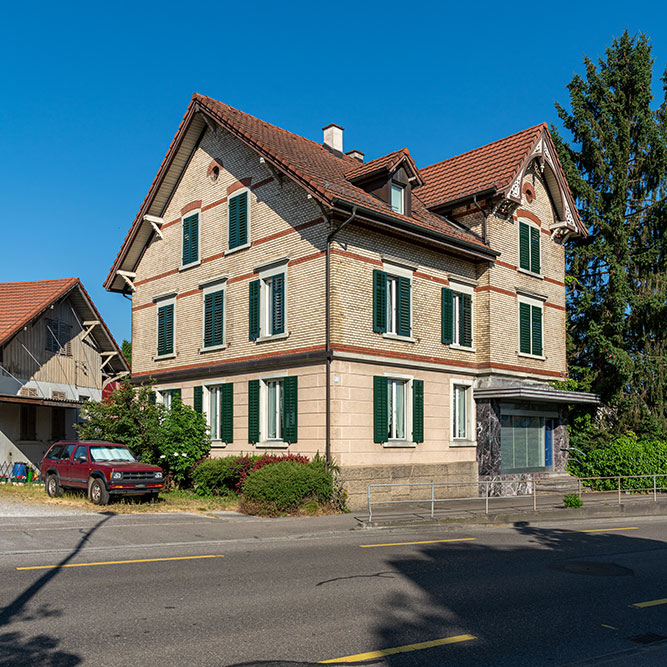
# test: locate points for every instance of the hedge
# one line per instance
(624, 455)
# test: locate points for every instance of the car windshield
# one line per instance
(111, 453)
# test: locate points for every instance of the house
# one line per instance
(55, 353)
(403, 322)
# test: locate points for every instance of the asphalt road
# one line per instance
(231, 591)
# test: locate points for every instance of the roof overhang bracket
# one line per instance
(278, 175)
(128, 277)
(156, 223)
(90, 325)
(109, 356)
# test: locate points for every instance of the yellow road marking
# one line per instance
(402, 649)
(604, 530)
(400, 544)
(650, 603)
(117, 562)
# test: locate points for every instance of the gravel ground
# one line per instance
(12, 508)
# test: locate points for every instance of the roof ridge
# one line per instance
(491, 143)
(34, 282)
(343, 156)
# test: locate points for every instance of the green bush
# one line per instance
(572, 500)
(215, 477)
(624, 455)
(284, 486)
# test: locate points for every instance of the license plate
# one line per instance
(139, 486)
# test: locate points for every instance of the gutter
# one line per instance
(327, 319)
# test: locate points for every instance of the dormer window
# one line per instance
(398, 198)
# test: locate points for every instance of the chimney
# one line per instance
(357, 155)
(333, 137)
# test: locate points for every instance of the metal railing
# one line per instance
(618, 485)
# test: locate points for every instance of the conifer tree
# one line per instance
(617, 283)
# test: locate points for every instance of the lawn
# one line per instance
(169, 501)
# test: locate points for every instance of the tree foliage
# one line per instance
(616, 166)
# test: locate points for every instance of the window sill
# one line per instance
(399, 444)
(218, 444)
(192, 265)
(463, 443)
(266, 339)
(530, 273)
(212, 348)
(272, 444)
(162, 357)
(454, 346)
(231, 251)
(405, 339)
(532, 356)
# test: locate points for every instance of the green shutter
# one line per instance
(536, 317)
(418, 411)
(190, 239)
(208, 320)
(213, 318)
(227, 413)
(379, 301)
(278, 304)
(447, 316)
(524, 328)
(535, 250)
(198, 402)
(175, 394)
(253, 411)
(380, 407)
(465, 306)
(253, 311)
(290, 409)
(524, 246)
(403, 328)
(165, 330)
(238, 220)
(243, 218)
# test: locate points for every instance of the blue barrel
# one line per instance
(19, 471)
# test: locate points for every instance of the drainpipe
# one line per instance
(483, 212)
(327, 317)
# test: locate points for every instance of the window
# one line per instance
(272, 410)
(398, 409)
(398, 198)
(81, 453)
(28, 422)
(530, 327)
(457, 316)
(391, 302)
(58, 425)
(190, 239)
(268, 304)
(167, 396)
(165, 329)
(58, 337)
(214, 300)
(237, 212)
(460, 412)
(526, 442)
(220, 412)
(529, 247)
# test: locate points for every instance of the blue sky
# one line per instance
(91, 95)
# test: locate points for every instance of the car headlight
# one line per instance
(116, 475)
(158, 475)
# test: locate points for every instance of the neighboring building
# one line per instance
(405, 322)
(55, 353)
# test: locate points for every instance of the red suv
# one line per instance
(103, 468)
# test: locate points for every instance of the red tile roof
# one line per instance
(385, 163)
(493, 165)
(20, 303)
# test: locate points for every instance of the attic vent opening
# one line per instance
(213, 171)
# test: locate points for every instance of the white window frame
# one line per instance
(197, 262)
(407, 441)
(394, 271)
(248, 243)
(462, 288)
(531, 301)
(402, 188)
(264, 441)
(530, 224)
(160, 302)
(264, 274)
(471, 435)
(211, 287)
(163, 395)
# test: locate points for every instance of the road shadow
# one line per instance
(17, 648)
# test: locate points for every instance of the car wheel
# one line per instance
(97, 492)
(52, 487)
